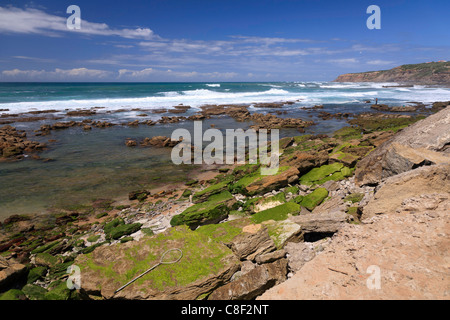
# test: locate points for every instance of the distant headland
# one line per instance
(428, 73)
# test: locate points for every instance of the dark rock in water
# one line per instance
(14, 144)
(437, 106)
(160, 142)
(81, 113)
(131, 143)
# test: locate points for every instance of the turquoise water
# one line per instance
(23, 97)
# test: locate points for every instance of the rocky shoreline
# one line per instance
(241, 233)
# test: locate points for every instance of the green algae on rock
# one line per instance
(215, 209)
(205, 264)
(315, 198)
(335, 171)
(277, 213)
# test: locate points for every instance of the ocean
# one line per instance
(88, 165)
(24, 97)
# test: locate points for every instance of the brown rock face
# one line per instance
(10, 271)
(393, 192)
(250, 245)
(423, 143)
(272, 182)
(253, 283)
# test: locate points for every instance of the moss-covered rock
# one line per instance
(354, 197)
(294, 190)
(34, 292)
(348, 133)
(46, 259)
(224, 232)
(13, 294)
(58, 291)
(93, 247)
(269, 202)
(379, 122)
(124, 230)
(36, 274)
(298, 199)
(126, 239)
(93, 238)
(278, 213)
(46, 247)
(205, 264)
(204, 195)
(315, 198)
(186, 193)
(147, 231)
(215, 209)
(117, 228)
(335, 171)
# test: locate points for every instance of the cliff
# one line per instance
(432, 73)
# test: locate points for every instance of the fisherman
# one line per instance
(376, 100)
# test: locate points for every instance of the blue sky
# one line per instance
(228, 40)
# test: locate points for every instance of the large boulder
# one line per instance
(421, 181)
(253, 283)
(10, 272)
(423, 143)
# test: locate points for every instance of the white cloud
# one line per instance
(57, 74)
(35, 21)
(145, 73)
(136, 74)
(379, 62)
(344, 61)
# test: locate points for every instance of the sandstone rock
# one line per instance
(298, 254)
(395, 190)
(305, 161)
(420, 144)
(325, 223)
(282, 232)
(253, 283)
(10, 272)
(393, 256)
(249, 246)
(271, 182)
(270, 257)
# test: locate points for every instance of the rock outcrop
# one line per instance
(424, 143)
(432, 73)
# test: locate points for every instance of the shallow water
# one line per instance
(89, 165)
